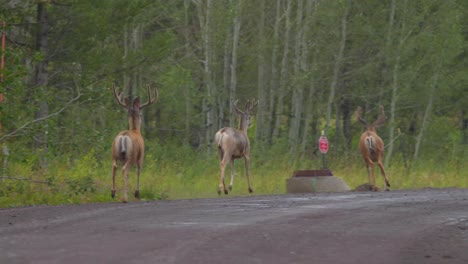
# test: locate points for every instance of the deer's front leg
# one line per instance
(247, 165)
(114, 169)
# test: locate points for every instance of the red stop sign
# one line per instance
(323, 144)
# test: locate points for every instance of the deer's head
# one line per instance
(244, 116)
(134, 107)
(377, 123)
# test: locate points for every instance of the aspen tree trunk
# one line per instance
(204, 14)
(283, 74)
(395, 84)
(41, 78)
(392, 109)
(338, 129)
(235, 44)
(336, 69)
(309, 68)
(298, 94)
(135, 41)
(188, 103)
(273, 83)
(428, 111)
(226, 76)
(346, 111)
(126, 79)
(259, 133)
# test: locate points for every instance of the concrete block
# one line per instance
(316, 184)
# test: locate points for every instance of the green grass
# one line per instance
(184, 174)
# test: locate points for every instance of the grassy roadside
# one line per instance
(186, 174)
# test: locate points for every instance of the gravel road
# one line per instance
(408, 226)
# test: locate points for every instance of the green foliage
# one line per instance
(92, 44)
(82, 174)
(184, 173)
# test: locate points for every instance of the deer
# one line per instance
(128, 147)
(233, 143)
(372, 148)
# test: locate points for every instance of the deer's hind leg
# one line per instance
(382, 170)
(114, 169)
(370, 174)
(247, 166)
(222, 185)
(137, 191)
(124, 176)
(232, 175)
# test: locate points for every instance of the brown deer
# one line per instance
(372, 148)
(234, 144)
(128, 147)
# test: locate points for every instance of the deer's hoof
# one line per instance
(124, 200)
(230, 187)
(113, 193)
(137, 194)
(250, 190)
(226, 191)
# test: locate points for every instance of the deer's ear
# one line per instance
(136, 103)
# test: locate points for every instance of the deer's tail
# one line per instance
(219, 143)
(124, 147)
(219, 138)
(370, 143)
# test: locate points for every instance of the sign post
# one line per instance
(323, 147)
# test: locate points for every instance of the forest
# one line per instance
(309, 63)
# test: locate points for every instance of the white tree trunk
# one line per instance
(298, 93)
(225, 97)
(283, 74)
(395, 84)
(188, 102)
(308, 114)
(235, 45)
(41, 79)
(427, 112)
(260, 133)
(204, 16)
(336, 69)
(273, 82)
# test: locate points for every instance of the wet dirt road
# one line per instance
(412, 226)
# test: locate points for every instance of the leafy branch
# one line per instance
(37, 120)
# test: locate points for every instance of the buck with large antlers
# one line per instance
(128, 147)
(372, 148)
(234, 144)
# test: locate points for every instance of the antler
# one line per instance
(381, 119)
(251, 104)
(118, 97)
(236, 108)
(359, 117)
(150, 99)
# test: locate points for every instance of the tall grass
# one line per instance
(184, 173)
